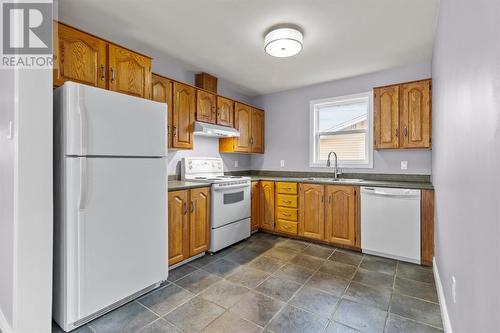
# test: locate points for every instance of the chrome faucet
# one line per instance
(335, 168)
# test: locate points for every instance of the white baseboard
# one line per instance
(442, 301)
(4, 325)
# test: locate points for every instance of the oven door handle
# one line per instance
(230, 187)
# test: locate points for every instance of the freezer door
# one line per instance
(95, 121)
(116, 216)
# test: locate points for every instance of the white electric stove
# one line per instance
(230, 200)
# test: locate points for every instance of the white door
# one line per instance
(116, 221)
(102, 122)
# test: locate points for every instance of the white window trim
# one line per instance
(313, 125)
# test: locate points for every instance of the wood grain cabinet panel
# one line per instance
(257, 138)
(206, 109)
(184, 107)
(225, 111)
(287, 227)
(255, 201)
(199, 220)
(311, 211)
(341, 217)
(267, 205)
(415, 114)
(386, 117)
(78, 57)
(161, 89)
(178, 228)
(243, 123)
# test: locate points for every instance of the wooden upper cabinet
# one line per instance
(386, 117)
(225, 111)
(184, 107)
(161, 90)
(267, 205)
(257, 139)
(311, 211)
(78, 57)
(199, 220)
(206, 109)
(415, 114)
(255, 201)
(341, 215)
(129, 72)
(178, 230)
(243, 123)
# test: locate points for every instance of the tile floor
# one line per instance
(274, 284)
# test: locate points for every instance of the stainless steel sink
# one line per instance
(333, 180)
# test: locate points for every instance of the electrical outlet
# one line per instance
(454, 289)
(404, 165)
(282, 163)
(236, 163)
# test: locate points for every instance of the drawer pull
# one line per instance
(287, 201)
(285, 214)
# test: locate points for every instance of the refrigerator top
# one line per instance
(91, 121)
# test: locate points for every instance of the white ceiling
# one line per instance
(342, 38)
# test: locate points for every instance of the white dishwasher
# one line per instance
(390, 223)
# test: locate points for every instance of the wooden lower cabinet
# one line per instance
(341, 215)
(255, 202)
(188, 223)
(267, 205)
(311, 212)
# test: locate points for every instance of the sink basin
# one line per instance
(333, 180)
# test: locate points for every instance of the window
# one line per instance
(343, 125)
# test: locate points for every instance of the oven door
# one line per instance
(230, 203)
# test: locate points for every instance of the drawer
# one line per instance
(285, 200)
(289, 214)
(286, 188)
(286, 226)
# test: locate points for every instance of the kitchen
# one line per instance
(274, 167)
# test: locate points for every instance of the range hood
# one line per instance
(216, 131)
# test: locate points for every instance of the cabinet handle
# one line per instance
(102, 73)
(113, 77)
(218, 112)
(288, 215)
(184, 208)
(397, 132)
(287, 201)
(406, 131)
(175, 130)
(193, 205)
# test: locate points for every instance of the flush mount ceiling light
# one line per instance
(283, 42)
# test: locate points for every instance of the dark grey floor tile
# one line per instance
(162, 300)
(307, 261)
(224, 252)
(377, 297)
(379, 264)
(257, 308)
(329, 283)
(334, 327)
(224, 293)
(281, 253)
(293, 245)
(266, 264)
(231, 323)
(82, 329)
(248, 277)
(338, 269)
(221, 267)
(315, 301)
(198, 281)
(397, 324)
(374, 279)
(194, 315)
(128, 318)
(294, 273)
(415, 272)
(345, 257)
(422, 311)
(319, 251)
(243, 256)
(160, 326)
(425, 291)
(360, 316)
(292, 319)
(278, 288)
(179, 272)
(205, 260)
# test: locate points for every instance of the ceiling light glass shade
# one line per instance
(283, 42)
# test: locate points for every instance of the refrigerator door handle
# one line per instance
(83, 183)
(83, 123)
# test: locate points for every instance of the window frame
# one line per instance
(314, 134)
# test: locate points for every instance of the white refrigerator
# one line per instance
(110, 193)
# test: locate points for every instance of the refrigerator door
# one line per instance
(101, 122)
(116, 230)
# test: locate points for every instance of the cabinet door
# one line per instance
(341, 214)
(311, 211)
(225, 111)
(162, 92)
(78, 57)
(129, 72)
(199, 220)
(386, 117)
(267, 205)
(184, 98)
(206, 107)
(243, 123)
(257, 138)
(255, 197)
(178, 229)
(415, 114)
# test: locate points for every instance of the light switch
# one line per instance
(282, 163)
(404, 165)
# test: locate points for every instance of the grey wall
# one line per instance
(466, 160)
(287, 124)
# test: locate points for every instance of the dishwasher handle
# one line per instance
(391, 192)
